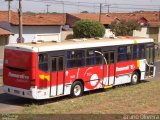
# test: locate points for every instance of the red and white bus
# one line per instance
(48, 69)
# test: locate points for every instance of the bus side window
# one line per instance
(75, 58)
(122, 51)
(135, 52)
(112, 57)
(107, 57)
(60, 63)
(129, 52)
(141, 51)
(54, 66)
(43, 62)
(93, 58)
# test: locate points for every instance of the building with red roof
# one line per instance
(35, 26)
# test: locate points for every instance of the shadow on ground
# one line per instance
(18, 101)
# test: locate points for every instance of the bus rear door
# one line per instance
(57, 76)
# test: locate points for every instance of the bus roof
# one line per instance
(77, 44)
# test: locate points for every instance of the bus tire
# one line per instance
(134, 78)
(77, 89)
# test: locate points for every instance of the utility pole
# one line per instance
(9, 10)
(63, 11)
(63, 6)
(48, 8)
(20, 39)
(78, 6)
(108, 7)
(94, 8)
(100, 12)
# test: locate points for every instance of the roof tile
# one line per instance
(5, 32)
(34, 19)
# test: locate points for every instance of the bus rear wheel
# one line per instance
(77, 89)
(134, 78)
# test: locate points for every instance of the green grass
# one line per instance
(141, 98)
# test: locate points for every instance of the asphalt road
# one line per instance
(9, 103)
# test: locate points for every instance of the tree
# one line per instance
(123, 28)
(88, 29)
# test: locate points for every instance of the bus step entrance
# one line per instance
(149, 71)
(108, 86)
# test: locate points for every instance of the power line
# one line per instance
(92, 6)
(84, 3)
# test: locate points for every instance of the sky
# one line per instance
(74, 6)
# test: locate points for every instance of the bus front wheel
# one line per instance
(77, 89)
(134, 78)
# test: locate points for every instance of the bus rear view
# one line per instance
(19, 71)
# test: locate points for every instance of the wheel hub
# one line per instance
(77, 90)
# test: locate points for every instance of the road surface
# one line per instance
(9, 103)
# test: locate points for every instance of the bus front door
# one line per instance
(57, 76)
(110, 58)
(150, 61)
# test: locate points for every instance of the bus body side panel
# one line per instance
(95, 77)
(19, 68)
(92, 76)
(43, 79)
(109, 71)
(124, 71)
(142, 67)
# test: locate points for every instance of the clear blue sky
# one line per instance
(84, 5)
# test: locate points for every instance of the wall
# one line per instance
(67, 35)
(141, 33)
(30, 32)
(153, 33)
(159, 35)
(109, 33)
(3, 42)
(148, 32)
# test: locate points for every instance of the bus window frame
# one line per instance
(43, 62)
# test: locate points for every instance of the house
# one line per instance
(35, 26)
(105, 19)
(148, 21)
(150, 31)
(4, 39)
